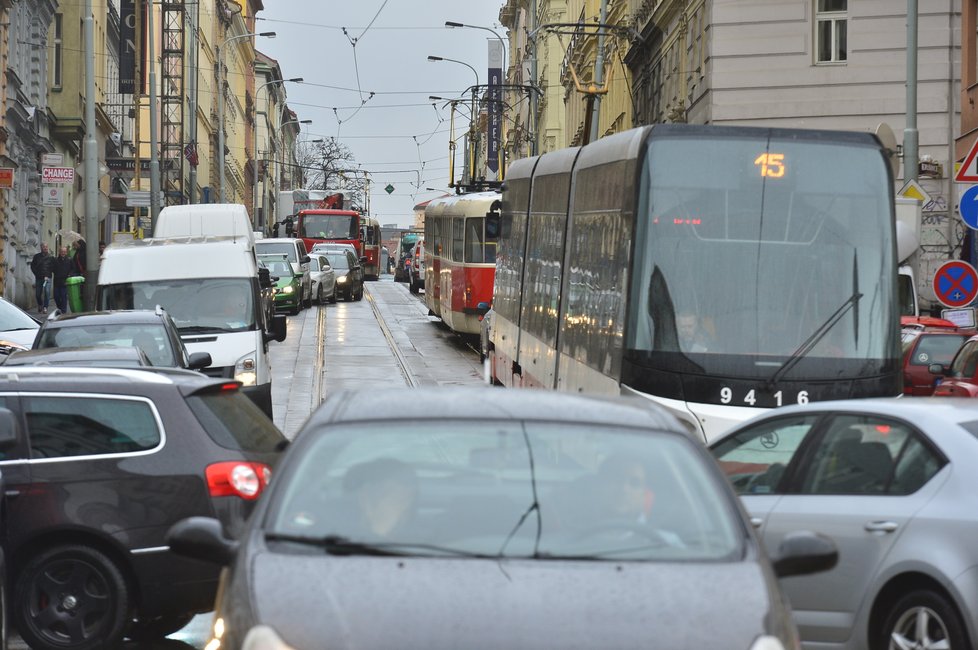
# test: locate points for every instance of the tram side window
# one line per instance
(458, 239)
(474, 244)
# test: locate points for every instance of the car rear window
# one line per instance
(234, 422)
(937, 348)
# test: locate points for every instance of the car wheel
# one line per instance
(308, 303)
(71, 598)
(922, 619)
(332, 297)
(359, 295)
(295, 310)
(158, 628)
(320, 298)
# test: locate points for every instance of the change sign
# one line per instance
(57, 175)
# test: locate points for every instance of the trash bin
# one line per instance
(76, 301)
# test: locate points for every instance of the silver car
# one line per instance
(323, 278)
(894, 484)
(453, 517)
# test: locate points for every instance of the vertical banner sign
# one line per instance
(127, 47)
(495, 109)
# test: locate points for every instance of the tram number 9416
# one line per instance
(762, 399)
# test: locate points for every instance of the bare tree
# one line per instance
(330, 165)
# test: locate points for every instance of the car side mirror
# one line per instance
(8, 429)
(804, 552)
(273, 278)
(936, 369)
(201, 538)
(305, 259)
(199, 360)
(363, 259)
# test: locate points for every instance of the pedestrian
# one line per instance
(79, 265)
(63, 266)
(101, 248)
(42, 267)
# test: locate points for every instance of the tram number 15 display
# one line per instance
(752, 398)
(771, 165)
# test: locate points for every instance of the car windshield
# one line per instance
(197, 305)
(508, 489)
(148, 337)
(12, 318)
(277, 248)
(280, 266)
(338, 261)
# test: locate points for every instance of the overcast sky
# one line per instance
(391, 59)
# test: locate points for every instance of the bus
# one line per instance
(460, 252)
(775, 245)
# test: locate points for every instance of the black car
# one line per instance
(447, 518)
(349, 274)
(98, 464)
(152, 331)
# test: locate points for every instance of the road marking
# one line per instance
(409, 377)
(317, 373)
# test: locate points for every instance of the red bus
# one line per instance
(460, 258)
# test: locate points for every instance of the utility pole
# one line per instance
(535, 93)
(90, 162)
(154, 137)
(910, 134)
(599, 73)
(194, 14)
(137, 102)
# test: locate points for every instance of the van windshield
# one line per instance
(197, 305)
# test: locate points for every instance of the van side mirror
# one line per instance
(279, 328)
(199, 360)
(492, 225)
(305, 259)
(264, 278)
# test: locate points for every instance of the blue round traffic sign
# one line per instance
(969, 207)
(956, 284)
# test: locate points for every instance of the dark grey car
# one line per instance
(483, 518)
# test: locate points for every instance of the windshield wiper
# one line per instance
(339, 545)
(809, 344)
(199, 329)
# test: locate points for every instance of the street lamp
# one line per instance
(474, 155)
(220, 101)
(254, 148)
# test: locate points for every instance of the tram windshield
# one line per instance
(763, 257)
(328, 226)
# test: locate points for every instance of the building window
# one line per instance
(57, 49)
(831, 21)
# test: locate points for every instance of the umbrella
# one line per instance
(69, 237)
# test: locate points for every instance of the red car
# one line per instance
(960, 379)
(928, 341)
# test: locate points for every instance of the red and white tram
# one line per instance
(460, 257)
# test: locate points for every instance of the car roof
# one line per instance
(116, 317)
(88, 353)
(484, 402)
(951, 410)
(91, 379)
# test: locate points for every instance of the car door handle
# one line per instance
(881, 526)
(756, 522)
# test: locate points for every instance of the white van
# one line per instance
(210, 287)
(204, 219)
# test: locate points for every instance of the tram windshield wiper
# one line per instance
(813, 339)
(339, 545)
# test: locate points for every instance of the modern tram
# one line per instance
(714, 270)
(460, 253)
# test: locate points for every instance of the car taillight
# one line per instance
(238, 479)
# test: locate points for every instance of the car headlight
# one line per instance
(288, 289)
(767, 643)
(246, 371)
(6, 347)
(341, 279)
(262, 637)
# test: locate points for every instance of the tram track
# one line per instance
(409, 377)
